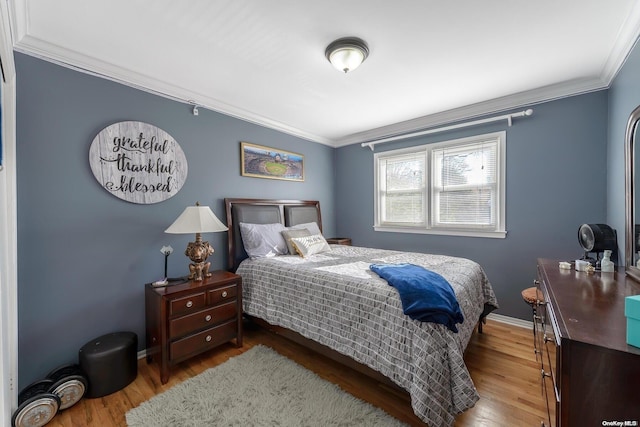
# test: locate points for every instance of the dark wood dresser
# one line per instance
(589, 372)
(187, 319)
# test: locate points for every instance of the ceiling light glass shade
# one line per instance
(347, 54)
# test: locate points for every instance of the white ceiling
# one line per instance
(431, 62)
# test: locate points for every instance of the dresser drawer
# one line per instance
(190, 304)
(193, 322)
(219, 295)
(201, 341)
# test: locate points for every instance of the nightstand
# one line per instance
(339, 241)
(187, 319)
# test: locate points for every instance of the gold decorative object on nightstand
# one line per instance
(197, 219)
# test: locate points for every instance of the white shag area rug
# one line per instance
(257, 388)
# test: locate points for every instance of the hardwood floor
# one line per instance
(501, 362)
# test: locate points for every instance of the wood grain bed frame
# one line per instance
(264, 211)
(288, 212)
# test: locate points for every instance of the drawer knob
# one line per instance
(208, 338)
(545, 374)
(208, 318)
(224, 294)
(189, 304)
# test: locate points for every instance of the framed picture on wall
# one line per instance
(259, 161)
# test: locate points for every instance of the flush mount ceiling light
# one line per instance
(347, 53)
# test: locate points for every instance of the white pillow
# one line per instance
(263, 240)
(309, 245)
(311, 226)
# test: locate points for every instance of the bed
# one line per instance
(334, 303)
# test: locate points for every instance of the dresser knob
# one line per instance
(545, 374)
(208, 318)
(189, 304)
(208, 338)
(224, 294)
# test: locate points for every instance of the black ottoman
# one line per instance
(109, 362)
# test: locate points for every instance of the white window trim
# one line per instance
(8, 229)
(500, 230)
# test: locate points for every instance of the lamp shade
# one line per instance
(196, 219)
(347, 54)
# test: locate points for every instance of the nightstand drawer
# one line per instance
(208, 338)
(189, 304)
(227, 293)
(196, 321)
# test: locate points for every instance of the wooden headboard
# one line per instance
(264, 211)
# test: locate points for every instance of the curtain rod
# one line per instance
(507, 117)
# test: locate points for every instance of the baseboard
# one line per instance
(513, 321)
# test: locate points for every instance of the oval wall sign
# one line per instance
(138, 162)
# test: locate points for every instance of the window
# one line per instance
(453, 187)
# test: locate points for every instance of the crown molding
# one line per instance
(493, 106)
(27, 44)
(625, 42)
(89, 65)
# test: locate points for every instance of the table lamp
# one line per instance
(197, 219)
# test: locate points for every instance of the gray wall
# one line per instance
(84, 255)
(624, 97)
(556, 180)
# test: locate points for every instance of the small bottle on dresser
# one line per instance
(606, 265)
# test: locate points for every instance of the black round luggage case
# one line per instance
(69, 383)
(36, 405)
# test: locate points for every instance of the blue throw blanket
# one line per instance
(425, 295)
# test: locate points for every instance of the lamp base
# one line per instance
(199, 270)
(198, 252)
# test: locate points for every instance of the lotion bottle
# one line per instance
(606, 265)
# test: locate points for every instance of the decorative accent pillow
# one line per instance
(313, 229)
(263, 240)
(290, 233)
(309, 245)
